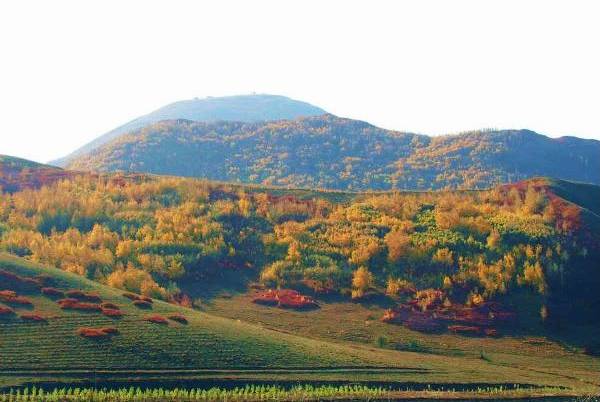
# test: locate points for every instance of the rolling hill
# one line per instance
(208, 350)
(246, 108)
(336, 153)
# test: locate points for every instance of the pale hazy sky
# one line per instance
(72, 70)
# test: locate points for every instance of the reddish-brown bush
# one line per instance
(97, 333)
(33, 317)
(110, 312)
(80, 295)
(285, 298)
(111, 306)
(110, 330)
(53, 292)
(11, 297)
(74, 304)
(17, 282)
(142, 304)
(131, 296)
(7, 294)
(146, 299)
(4, 311)
(180, 318)
(157, 319)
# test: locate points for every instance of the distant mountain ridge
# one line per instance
(330, 152)
(246, 108)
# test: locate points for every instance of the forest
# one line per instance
(516, 243)
(344, 154)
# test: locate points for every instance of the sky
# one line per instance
(73, 70)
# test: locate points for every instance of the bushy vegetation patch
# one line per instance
(75, 304)
(157, 319)
(11, 297)
(114, 313)
(97, 333)
(83, 296)
(285, 298)
(34, 317)
(6, 311)
(142, 304)
(180, 318)
(53, 292)
(108, 305)
(18, 283)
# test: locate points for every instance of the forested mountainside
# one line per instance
(336, 153)
(246, 108)
(520, 245)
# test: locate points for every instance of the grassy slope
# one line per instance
(215, 347)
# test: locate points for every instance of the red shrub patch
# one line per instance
(285, 298)
(17, 282)
(74, 304)
(157, 319)
(11, 297)
(6, 311)
(53, 292)
(97, 333)
(79, 295)
(180, 318)
(33, 317)
(110, 312)
(146, 299)
(111, 306)
(142, 304)
(131, 296)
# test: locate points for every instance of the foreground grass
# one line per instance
(267, 392)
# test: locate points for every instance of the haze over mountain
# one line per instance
(245, 108)
(336, 153)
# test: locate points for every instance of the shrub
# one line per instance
(109, 312)
(111, 306)
(180, 318)
(74, 304)
(53, 292)
(131, 296)
(88, 297)
(157, 319)
(17, 282)
(4, 311)
(11, 297)
(142, 304)
(33, 317)
(97, 333)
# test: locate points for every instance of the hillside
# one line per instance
(206, 350)
(520, 247)
(205, 342)
(18, 174)
(336, 153)
(246, 108)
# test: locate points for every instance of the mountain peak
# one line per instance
(243, 108)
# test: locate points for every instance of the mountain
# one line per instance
(245, 108)
(336, 153)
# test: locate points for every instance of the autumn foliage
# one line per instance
(285, 298)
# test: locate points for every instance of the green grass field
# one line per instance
(333, 345)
